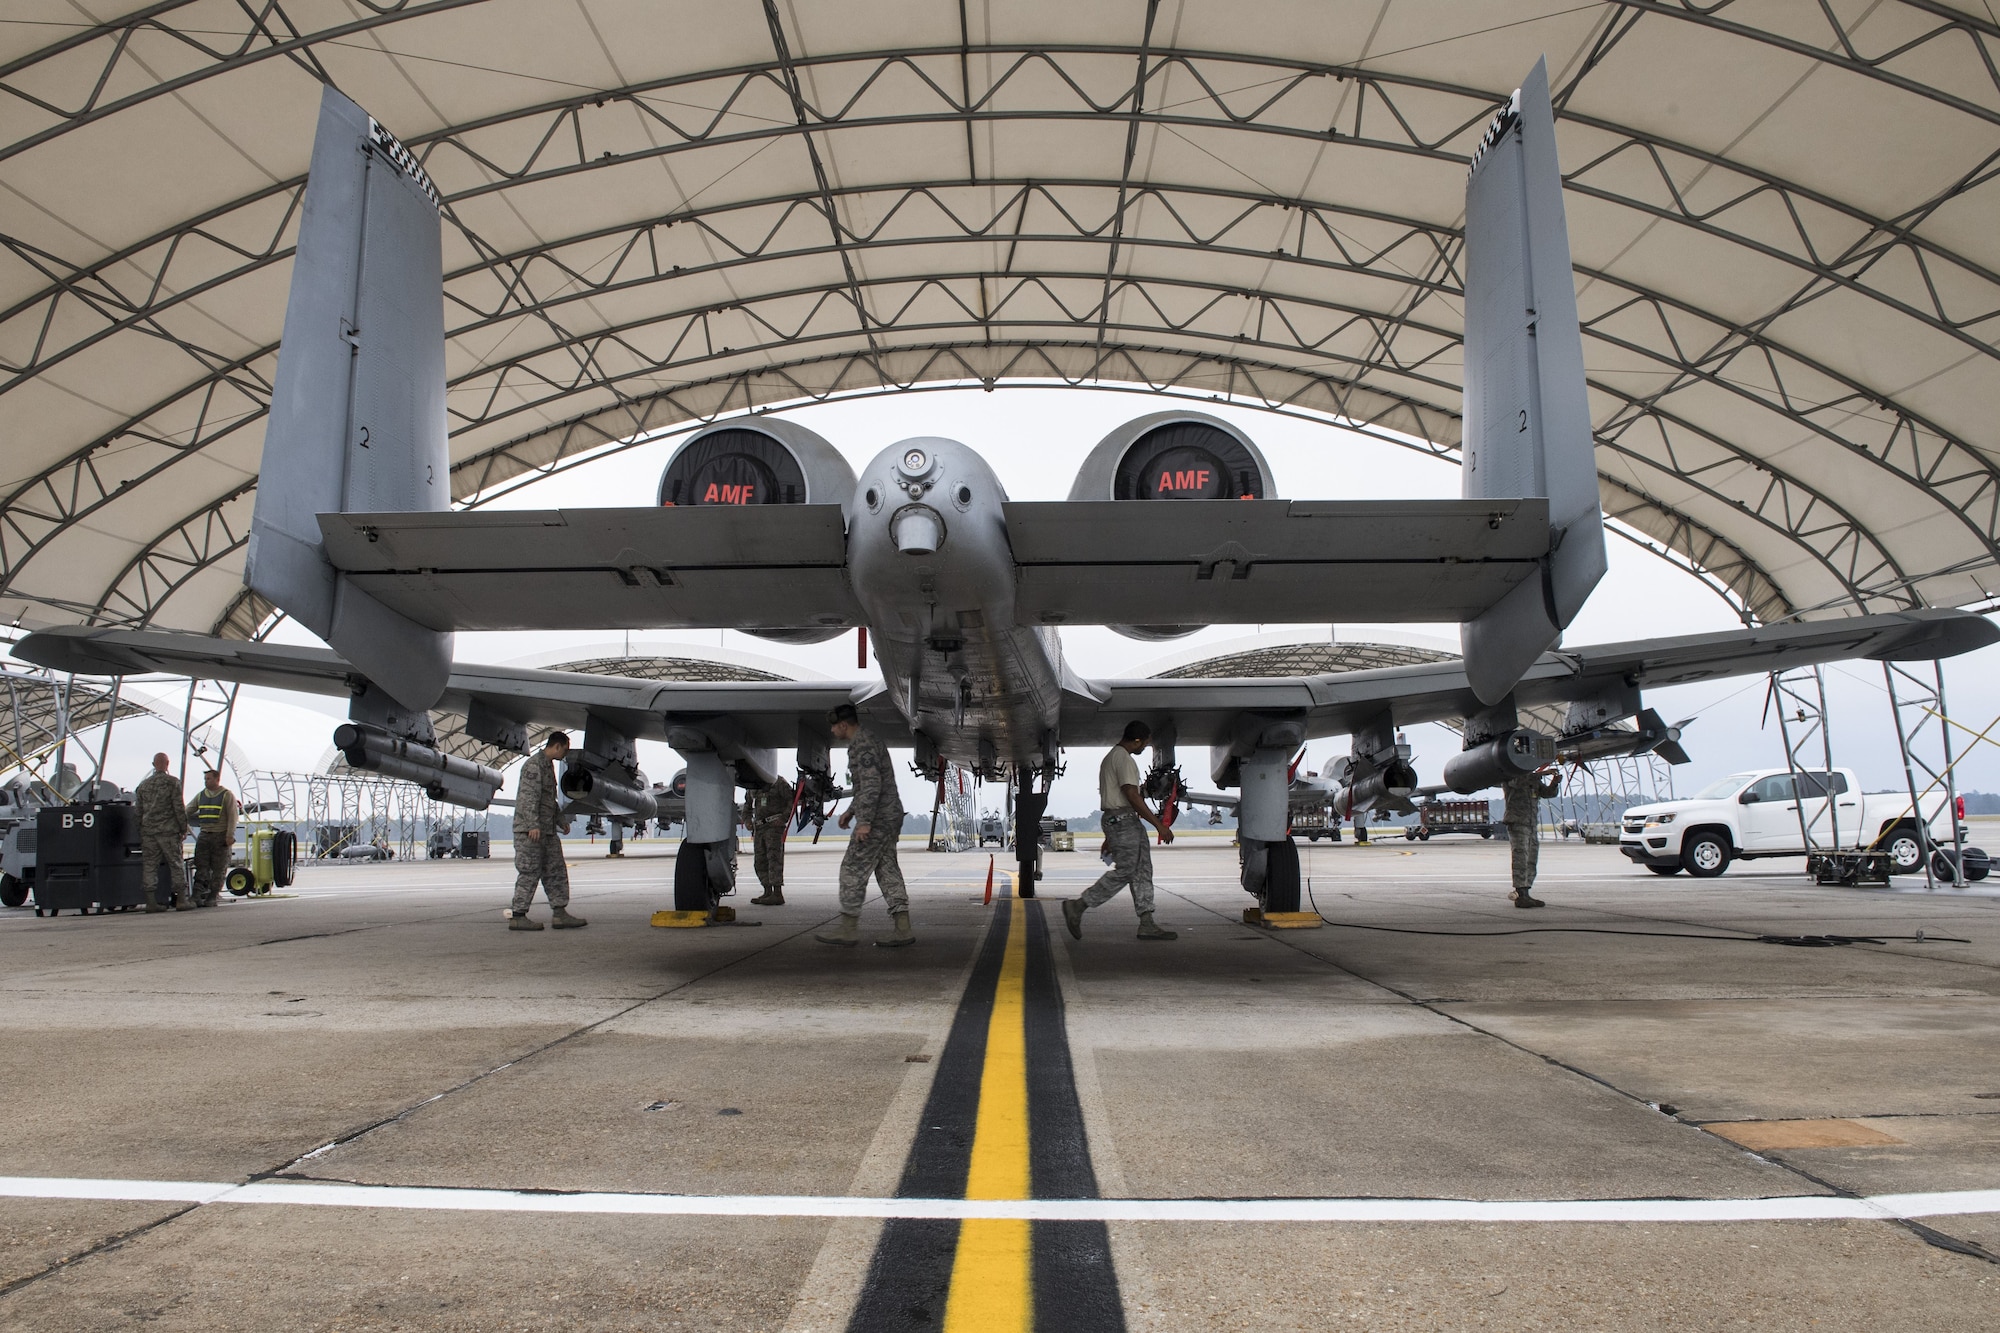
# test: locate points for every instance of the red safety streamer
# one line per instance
(989, 878)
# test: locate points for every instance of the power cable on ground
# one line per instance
(1791, 941)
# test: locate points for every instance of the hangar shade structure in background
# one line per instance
(1781, 218)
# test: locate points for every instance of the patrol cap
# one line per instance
(843, 713)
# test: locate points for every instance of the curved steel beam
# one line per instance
(571, 113)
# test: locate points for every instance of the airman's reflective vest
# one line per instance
(210, 810)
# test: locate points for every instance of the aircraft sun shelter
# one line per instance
(1782, 218)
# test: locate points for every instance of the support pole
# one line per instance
(1800, 699)
(1914, 703)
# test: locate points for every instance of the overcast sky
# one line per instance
(1035, 438)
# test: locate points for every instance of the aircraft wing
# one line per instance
(661, 567)
(1228, 562)
(763, 713)
(1205, 712)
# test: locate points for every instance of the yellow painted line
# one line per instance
(1014, 882)
(992, 1275)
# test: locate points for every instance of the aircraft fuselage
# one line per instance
(931, 564)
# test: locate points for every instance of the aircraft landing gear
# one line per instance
(704, 874)
(1028, 807)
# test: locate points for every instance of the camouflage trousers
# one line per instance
(1131, 864)
(539, 861)
(768, 841)
(211, 864)
(1524, 835)
(876, 855)
(161, 854)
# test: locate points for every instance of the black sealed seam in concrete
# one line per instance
(1076, 1282)
(910, 1275)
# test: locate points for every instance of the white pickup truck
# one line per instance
(1749, 815)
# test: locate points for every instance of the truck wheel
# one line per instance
(13, 891)
(1906, 854)
(1664, 870)
(1706, 855)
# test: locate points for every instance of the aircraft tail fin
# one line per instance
(1527, 418)
(357, 412)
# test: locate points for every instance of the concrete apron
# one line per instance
(1334, 1125)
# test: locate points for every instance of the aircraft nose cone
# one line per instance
(917, 530)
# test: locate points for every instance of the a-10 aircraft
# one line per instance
(1172, 523)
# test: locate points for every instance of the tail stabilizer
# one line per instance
(1527, 417)
(357, 412)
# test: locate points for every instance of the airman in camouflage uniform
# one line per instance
(877, 817)
(538, 849)
(213, 814)
(162, 833)
(767, 812)
(1525, 795)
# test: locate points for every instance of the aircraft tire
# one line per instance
(691, 888)
(1281, 877)
(13, 891)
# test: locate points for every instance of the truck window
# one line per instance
(1729, 786)
(1818, 783)
(1777, 787)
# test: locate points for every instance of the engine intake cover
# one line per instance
(1173, 456)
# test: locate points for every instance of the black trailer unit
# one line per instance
(87, 856)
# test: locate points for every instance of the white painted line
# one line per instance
(298, 1193)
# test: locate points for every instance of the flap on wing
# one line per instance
(1314, 532)
(747, 567)
(658, 537)
(1199, 562)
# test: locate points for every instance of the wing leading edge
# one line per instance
(762, 713)
(1206, 712)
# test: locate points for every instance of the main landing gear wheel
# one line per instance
(1281, 877)
(692, 891)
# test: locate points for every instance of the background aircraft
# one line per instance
(1172, 523)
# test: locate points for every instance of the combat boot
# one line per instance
(848, 932)
(1526, 898)
(562, 920)
(152, 906)
(1149, 931)
(902, 936)
(522, 921)
(1073, 917)
(770, 898)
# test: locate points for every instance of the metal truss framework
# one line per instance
(1380, 367)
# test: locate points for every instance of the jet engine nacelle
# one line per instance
(1173, 456)
(1491, 763)
(446, 777)
(760, 461)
